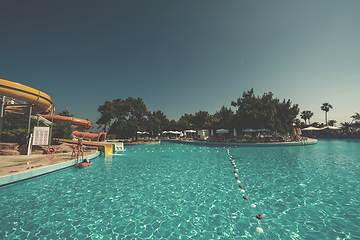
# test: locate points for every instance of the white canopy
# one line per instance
(311, 129)
(190, 131)
(222, 131)
(235, 132)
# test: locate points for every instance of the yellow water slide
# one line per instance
(41, 101)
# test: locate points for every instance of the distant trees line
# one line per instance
(307, 115)
(125, 117)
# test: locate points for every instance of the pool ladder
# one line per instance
(77, 155)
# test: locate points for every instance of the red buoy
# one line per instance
(234, 171)
(258, 216)
(240, 186)
(244, 197)
(237, 177)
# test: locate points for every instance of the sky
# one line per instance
(184, 56)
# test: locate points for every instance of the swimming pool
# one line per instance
(172, 191)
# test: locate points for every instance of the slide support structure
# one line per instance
(2, 113)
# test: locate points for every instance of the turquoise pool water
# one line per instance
(175, 191)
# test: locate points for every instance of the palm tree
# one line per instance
(356, 117)
(326, 107)
(346, 126)
(332, 122)
(306, 115)
(297, 122)
(303, 116)
(309, 115)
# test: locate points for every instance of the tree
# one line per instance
(226, 117)
(127, 116)
(187, 121)
(264, 112)
(346, 126)
(163, 120)
(303, 116)
(326, 107)
(65, 113)
(356, 117)
(200, 118)
(153, 125)
(317, 125)
(306, 115)
(297, 122)
(62, 130)
(332, 123)
(103, 126)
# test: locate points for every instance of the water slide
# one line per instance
(42, 103)
(78, 124)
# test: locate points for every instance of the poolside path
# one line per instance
(15, 164)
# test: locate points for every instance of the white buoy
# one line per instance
(236, 175)
(242, 190)
(238, 181)
(253, 205)
(259, 230)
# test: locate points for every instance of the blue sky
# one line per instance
(184, 56)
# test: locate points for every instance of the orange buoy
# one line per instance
(51, 150)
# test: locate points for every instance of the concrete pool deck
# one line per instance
(16, 168)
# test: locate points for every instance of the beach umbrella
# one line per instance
(263, 130)
(248, 130)
(222, 131)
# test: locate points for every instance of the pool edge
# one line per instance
(6, 180)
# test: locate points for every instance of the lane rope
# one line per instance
(241, 187)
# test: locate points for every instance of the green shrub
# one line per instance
(62, 130)
(14, 136)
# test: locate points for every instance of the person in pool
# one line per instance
(84, 164)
